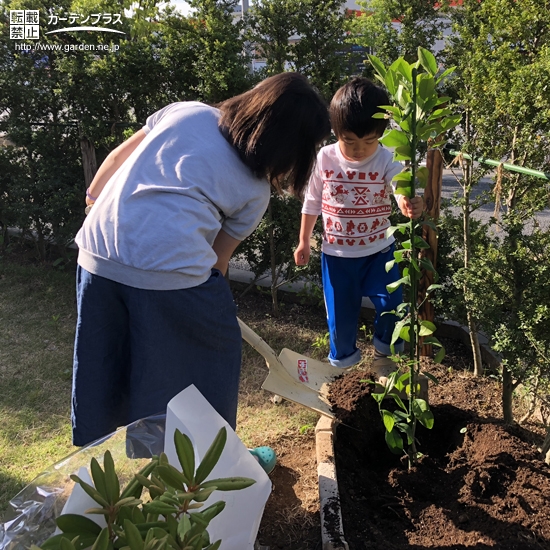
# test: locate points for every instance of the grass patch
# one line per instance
(37, 315)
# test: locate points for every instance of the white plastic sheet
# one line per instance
(239, 522)
(31, 516)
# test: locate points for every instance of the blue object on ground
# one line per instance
(266, 458)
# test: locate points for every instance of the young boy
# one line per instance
(351, 188)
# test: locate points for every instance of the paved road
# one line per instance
(451, 186)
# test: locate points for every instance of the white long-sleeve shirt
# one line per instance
(354, 199)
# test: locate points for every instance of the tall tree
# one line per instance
(321, 52)
(221, 62)
(396, 28)
(271, 26)
(501, 50)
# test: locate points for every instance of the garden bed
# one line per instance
(480, 484)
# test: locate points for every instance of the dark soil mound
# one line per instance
(480, 484)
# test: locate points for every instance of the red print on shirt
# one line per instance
(350, 226)
(362, 176)
(351, 242)
(339, 194)
(329, 224)
(363, 227)
(328, 173)
(373, 176)
(350, 174)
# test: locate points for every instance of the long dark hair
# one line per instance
(276, 127)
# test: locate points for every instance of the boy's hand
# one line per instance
(301, 254)
(412, 208)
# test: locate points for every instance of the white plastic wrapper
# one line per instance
(31, 516)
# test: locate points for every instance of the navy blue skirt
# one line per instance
(135, 349)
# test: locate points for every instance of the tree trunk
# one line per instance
(432, 202)
(274, 297)
(474, 342)
(507, 390)
(545, 450)
(89, 161)
(472, 325)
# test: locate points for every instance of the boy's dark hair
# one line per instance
(353, 105)
(276, 127)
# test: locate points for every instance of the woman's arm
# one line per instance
(111, 164)
(224, 246)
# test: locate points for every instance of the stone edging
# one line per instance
(332, 530)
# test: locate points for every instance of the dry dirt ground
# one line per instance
(481, 484)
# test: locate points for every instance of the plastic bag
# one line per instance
(30, 518)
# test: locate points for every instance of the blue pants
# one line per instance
(345, 282)
(135, 349)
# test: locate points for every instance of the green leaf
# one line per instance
(404, 333)
(422, 175)
(419, 242)
(211, 456)
(391, 230)
(445, 74)
(133, 536)
(102, 542)
(441, 100)
(394, 441)
(396, 111)
(427, 60)
(426, 264)
(431, 377)
(403, 152)
(208, 514)
(75, 523)
(440, 355)
(422, 412)
(402, 67)
(172, 477)
(438, 113)
(90, 491)
(66, 544)
(98, 477)
(157, 507)
(135, 487)
(403, 176)
(427, 328)
(407, 429)
(112, 484)
(184, 526)
(431, 288)
(427, 419)
(404, 189)
(432, 340)
(389, 265)
(379, 67)
(392, 287)
(426, 86)
(229, 483)
(388, 419)
(186, 455)
(394, 138)
(398, 329)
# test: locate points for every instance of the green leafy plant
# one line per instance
(160, 520)
(322, 344)
(422, 117)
